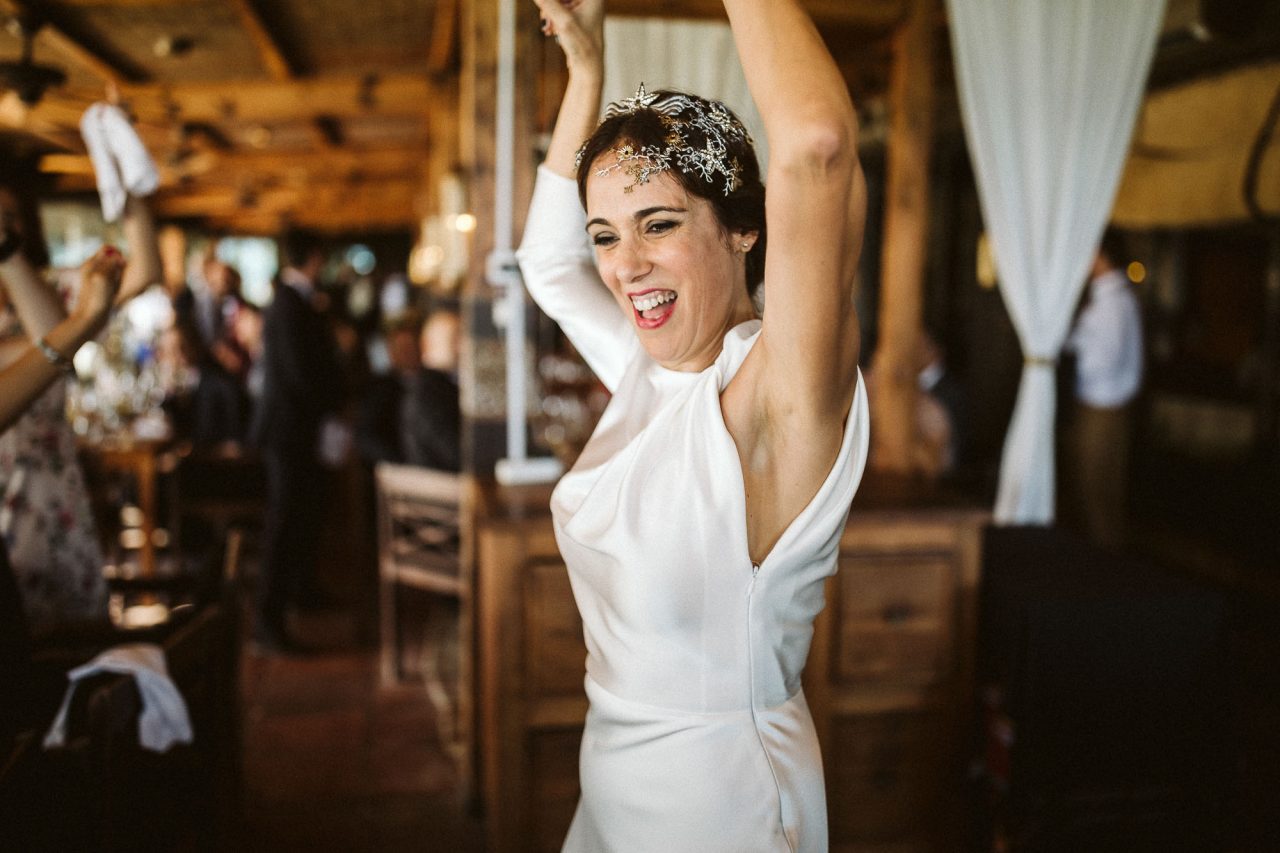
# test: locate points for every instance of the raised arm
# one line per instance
(35, 302)
(144, 268)
(37, 367)
(555, 256)
(800, 379)
(815, 210)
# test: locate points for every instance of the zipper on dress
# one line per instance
(755, 570)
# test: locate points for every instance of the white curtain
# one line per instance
(1049, 90)
(691, 56)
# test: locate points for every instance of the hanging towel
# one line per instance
(164, 719)
(120, 161)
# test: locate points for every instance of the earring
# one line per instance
(746, 247)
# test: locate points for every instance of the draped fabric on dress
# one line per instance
(1048, 93)
(698, 736)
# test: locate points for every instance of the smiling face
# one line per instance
(673, 269)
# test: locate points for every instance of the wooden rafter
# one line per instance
(230, 167)
(266, 43)
(327, 132)
(82, 54)
(283, 101)
(444, 34)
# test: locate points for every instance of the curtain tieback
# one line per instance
(1040, 361)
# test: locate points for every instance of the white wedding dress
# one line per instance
(698, 737)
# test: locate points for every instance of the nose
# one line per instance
(630, 263)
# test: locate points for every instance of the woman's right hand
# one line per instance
(578, 26)
(99, 282)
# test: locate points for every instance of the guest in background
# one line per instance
(247, 332)
(1106, 342)
(940, 412)
(204, 313)
(411, 415)
(301, 386)
(45, 518)
(431, 417)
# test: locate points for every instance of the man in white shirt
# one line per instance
(1107, 343)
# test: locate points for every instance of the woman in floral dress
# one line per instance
(45, 518)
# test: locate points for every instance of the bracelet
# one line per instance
(54, 357)
(10, 245)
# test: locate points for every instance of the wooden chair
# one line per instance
(419, 545)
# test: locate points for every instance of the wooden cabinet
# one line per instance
(532, 705)
(889, 680)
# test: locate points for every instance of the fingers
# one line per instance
(556, 15)
(108, 263)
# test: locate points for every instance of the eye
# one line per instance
(603, 239)
(659, 226)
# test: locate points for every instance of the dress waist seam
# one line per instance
(746, 710)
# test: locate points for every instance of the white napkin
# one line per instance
(120, 161)
(164, 720)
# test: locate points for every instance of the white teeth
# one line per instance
(652, 300)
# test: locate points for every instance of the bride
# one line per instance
(701, 520)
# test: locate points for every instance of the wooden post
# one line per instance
(906, 224)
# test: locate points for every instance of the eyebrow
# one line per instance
(640, 214)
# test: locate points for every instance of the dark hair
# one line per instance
(741, 210)
(25, 190)
(297, 247)
(1114, 247)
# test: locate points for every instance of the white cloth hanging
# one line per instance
(121, 163)
(164, 720)
(1049, 90)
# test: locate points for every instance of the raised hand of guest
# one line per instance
(49, 356)
(100, 284)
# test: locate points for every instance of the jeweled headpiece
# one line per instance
(679, 114)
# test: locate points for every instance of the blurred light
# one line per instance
(360, 298)
(131, 516)
(464, 223)
(986, 271)
(362, 259)
(133, 538)
(259, 136)
(86, 359)
(1137, 272)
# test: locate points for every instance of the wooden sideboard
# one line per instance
(889, 678)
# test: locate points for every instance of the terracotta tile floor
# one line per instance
(332, 761)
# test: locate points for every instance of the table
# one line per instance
(146, 459)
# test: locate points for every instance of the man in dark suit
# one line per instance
(411, 416)
(301, 386)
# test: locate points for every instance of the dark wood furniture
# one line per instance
(101, 790)
(889, 679)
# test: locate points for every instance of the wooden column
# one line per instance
(906, 221)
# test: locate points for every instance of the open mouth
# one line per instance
(653, 307)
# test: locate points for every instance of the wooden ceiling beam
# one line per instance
(235, 167)
(327, 132)
(77, 51)
(444, 34)
(282, 101)
(263, 39)
(334, 206)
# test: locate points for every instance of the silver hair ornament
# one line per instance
(679, 113)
